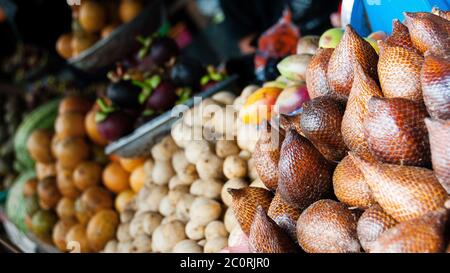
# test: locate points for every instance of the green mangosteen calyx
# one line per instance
(104, 110)
(183, 93)
(147, 86)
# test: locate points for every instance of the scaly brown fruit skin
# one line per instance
(441, 13)
(245, 202)
(352, 128)
(435, 79)
(320, 122)
(350, 186)
(267, 237)
(305, 175)
(395, 131)
(372, 223)
(399, 72)
(428, 32)
(267, 154)
(400, 36)
(327, 227)
(288, 122)
(284, 215)
(350, 50)
(404, 192)
(316, 74)
(420, 235)
(439, 133)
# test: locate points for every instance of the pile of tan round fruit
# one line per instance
(94, 20)
(184, 204)
(76, 183)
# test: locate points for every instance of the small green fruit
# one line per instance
(331, 38)
(294, 67)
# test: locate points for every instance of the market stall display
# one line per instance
(182, 204)
(63, 191)
(388, 161)
(149, 84)
(104, 32)
(341, 146)
(94, 20)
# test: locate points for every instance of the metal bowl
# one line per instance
(121, 42)
(140, 142)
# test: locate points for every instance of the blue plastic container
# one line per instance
(374, 15)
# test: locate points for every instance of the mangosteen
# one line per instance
(163, 97)
(211, 78)
(115, 125)
(163, 49)
(187, 72)
(123, 94)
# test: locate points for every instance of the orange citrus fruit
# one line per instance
(130, 164)
(115, 178)
(137, 178)
(92, 131)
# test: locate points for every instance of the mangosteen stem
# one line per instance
(204, 80)
(147, 85)
(104, 107)
(183, 95)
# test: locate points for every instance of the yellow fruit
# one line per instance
(137, 178)
(65, 184)
(70, 124)
(64, 47)
(129, 9)
(48, 193)
(87, 174)
(92, 16)
(45, 170)
(258, 106)
(39, 146)
(60, 231)
(123, 199)
(70, 151)
(74, 104)
(101, 228)
(77, 240)
(66, 209)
